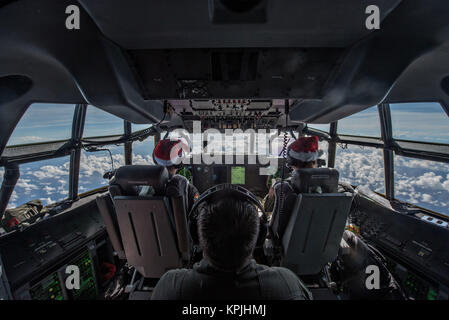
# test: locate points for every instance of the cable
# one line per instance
(165, 114)
(284, 157)
(95, 149)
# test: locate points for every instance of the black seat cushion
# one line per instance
(129, 178)
(309, 179)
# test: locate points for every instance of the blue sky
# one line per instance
(420, 121)
(417, 181)
(411, 121)
(44, 122)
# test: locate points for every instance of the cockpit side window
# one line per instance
(143, 151)
(422, 182)
(361, 166)
(100, 123)
(323, 146)
(424, 122)
(46, 180)
(94, 164)
(43, 122)
(138, 127)
(365, 123)
(322, 127)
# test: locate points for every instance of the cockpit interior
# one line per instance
(88, 89)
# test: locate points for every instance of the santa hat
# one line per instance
(304, 149)
(168, 152)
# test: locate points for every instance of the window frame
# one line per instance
(438, 152)
(26, 153)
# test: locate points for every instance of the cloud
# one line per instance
(52, 172)
(425, 183)
(420, 182)
(49, 190)
(12, 200)
(361, 167)
(47, 201)
(93, 164)
(142, 160)
(28, 139)
(430, 180)
(26, 185)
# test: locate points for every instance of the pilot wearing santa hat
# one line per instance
(302, 153)
(169, 153)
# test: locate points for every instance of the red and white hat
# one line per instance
(304, 149)
(168, 152)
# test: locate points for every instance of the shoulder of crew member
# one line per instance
(169, 285)
(284, 284)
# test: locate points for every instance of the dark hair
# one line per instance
(228, 230)
(301, 164)
(175, 166)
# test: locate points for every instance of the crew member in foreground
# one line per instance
(228, 228)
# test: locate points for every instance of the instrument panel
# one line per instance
(230, 113)
(38, 260)
(53, 286)
(248, 176)
(416, 251)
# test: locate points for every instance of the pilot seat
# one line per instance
(150, 230)
(309, 229)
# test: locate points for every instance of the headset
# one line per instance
(226, 189)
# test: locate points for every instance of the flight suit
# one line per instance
(190, 190)
(252, 282)
(279, 218)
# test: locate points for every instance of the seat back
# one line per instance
(147, 221)
(177, 192)
(148, 234)
(309, 180)
(107, 211)
(316, 224)
(314, 232)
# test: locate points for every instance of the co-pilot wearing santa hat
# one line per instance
(302, 153)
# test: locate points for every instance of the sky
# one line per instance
(421, 182)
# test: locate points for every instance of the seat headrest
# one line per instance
(131, 176)
(309, 179)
